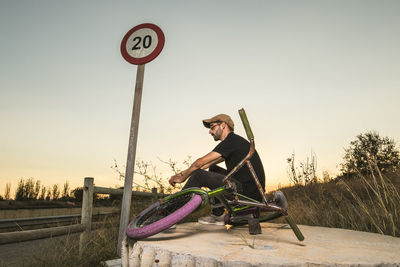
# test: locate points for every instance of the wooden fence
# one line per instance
(86, 217)
(16, 224)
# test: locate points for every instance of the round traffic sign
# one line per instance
(142, 43)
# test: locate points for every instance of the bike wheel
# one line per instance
(160, 216)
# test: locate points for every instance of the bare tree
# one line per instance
(36, 191)
(20, 191)
(292, 171)
(153, 178)
(29, 188)
(326, 177)
(8, 190)
(42, 195)
(65, 193)
(55, 193)
(305, 173)
(308, 169)
(48, 194)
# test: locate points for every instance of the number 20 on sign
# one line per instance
(142, 44)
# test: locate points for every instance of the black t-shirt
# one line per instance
(233, 149)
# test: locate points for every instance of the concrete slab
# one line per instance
(193, 244)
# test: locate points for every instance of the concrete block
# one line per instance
(207, 262)
(180, 260)
(147, 257)
(162, 258)
(236, 264)
(195, 245)
(134, 258)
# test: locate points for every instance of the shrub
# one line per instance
(370, 147)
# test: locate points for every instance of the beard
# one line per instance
(217, 135)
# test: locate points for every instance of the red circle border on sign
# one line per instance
(153, 55)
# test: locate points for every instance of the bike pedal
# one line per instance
(254, 226)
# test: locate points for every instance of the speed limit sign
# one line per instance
(142, 43)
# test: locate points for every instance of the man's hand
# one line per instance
(177, 178)
(212, 157)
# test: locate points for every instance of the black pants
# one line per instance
(211, 179)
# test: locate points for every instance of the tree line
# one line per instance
(31, 189)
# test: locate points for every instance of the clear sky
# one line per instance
(311, 75)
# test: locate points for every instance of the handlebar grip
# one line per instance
(246, 124)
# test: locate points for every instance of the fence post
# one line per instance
(86, 217)
(154, 192)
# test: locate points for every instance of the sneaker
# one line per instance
(213, 219)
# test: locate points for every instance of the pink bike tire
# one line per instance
(165, 222)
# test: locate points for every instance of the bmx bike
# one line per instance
(240, 209)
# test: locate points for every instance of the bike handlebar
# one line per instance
(246, 124)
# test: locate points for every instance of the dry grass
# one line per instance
(363, 202)
(65, 251)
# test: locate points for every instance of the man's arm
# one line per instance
(207, 160)
(216, 161)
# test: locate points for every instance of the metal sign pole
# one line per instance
(130, 162)
(140, 45)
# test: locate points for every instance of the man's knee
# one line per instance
(195, 180)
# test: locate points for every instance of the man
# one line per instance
(232, 149)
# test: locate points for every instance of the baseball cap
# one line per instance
(220, 118)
